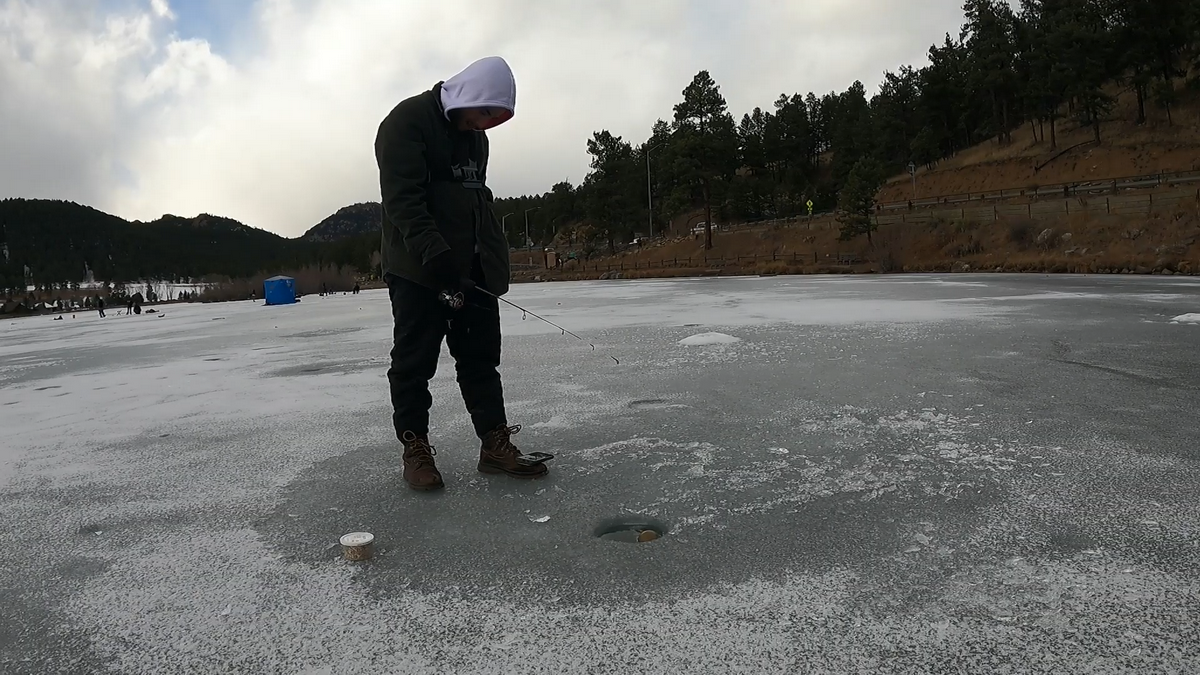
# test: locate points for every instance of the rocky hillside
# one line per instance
(349, 221)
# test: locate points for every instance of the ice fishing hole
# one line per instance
(649, 403)
(630, 529)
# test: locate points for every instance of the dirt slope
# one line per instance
(1162, 242)
(1127, 150)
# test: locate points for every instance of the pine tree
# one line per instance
(856, 200)
(1153, 38)
(610, 189)
(1025, 70)
(895, 110)
(989, 41)
(1085, 53)
(663, 148)
(853, 132)
(1051, 78)
(942, 101)
(558, 208)
(708, 142)
(754, 192)
(816, 125)
(794, 145)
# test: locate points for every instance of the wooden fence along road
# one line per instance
(1112, 185)
(1128, 204)
(1138, 204)
(702, 262)
(1086, 198)
(1071, 198)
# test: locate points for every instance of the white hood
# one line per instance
(488, 82)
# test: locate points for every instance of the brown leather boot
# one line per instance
(497, 454)
(419, 470)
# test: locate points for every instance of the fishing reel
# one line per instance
(455, 301)
(534, 458)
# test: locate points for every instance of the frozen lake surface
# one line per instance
(908, 474)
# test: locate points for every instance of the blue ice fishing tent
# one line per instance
(279, 290)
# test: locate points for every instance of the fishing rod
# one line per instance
(457, 301)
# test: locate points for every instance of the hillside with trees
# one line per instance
(51, 243)
(1013, 90)
(1048, 67)
(348, 221)
(55, 242)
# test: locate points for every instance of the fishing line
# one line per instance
(457, 301)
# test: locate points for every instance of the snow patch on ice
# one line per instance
(319, 618)
(555, 422)
(704, 339)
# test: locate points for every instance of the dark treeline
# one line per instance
(1047, 61)
(55, 244)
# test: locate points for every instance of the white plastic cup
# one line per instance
(357, 545)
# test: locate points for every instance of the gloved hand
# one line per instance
(442, 268)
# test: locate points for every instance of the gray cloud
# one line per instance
(114, 110)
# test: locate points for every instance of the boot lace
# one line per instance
(501, 440)
(418, 451)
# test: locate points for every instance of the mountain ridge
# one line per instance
(52, 241)
(349, 221)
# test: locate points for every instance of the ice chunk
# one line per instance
(539, 519)
(702, 339)
(555, 422)
(1187, 318)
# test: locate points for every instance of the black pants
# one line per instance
(421, 322)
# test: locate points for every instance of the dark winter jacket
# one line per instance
(432, 179)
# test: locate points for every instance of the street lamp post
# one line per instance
(912, 171)
(649, 193)
(528, 241)
(502, 227)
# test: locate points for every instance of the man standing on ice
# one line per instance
(440, 236)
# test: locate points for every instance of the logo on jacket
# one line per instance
(467, 174)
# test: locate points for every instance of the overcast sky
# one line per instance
(266, 111)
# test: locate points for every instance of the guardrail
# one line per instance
(703, 262)
(1134, 204)
(1084, 199)
(1110, 185)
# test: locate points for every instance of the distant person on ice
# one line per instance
(439, 230)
